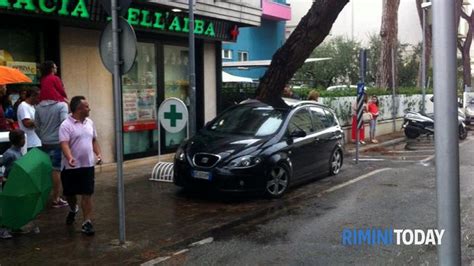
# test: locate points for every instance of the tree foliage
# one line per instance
(342, 68)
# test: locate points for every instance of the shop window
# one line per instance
(139, 103)
(226, 54)
(176, 74)
(243, 56)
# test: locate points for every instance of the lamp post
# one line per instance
(424, 7)
(192, 72)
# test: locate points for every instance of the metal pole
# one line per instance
(394, 115)
(423, 63)
(118, 119)
(393, 89)
(192, 72)
(446, 131)
(360, 99)
(352, 20)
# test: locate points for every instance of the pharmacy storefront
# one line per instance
(68, 32)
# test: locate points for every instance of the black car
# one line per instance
(255, 147)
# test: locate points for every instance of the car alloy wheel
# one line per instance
(335, 163)
(278, 181)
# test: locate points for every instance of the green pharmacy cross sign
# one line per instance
(173, 115)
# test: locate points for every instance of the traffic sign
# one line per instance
(128, 46)
(173, 115)
(360, 88)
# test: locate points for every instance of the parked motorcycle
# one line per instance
(416, 124)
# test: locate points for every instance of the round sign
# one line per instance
(127, 43)
(173, 115)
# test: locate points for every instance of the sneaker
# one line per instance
(4, 234)
(375, 141)
(362, 142)
(87, 228)
(71, 216)
(60, 203)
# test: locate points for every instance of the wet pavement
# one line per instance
(159, 218)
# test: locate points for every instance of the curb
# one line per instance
(383, 144)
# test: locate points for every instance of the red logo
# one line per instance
(234, 32)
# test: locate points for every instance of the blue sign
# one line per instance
(360, 88)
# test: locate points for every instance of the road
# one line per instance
(390, 187)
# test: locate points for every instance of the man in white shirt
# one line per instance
(26, 116)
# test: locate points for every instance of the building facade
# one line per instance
(258, 43)
(69, 32)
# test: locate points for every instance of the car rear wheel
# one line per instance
(335, 162)
(278, 181)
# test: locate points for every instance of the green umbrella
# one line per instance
(27, 190)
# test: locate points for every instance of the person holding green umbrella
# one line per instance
(17, 140)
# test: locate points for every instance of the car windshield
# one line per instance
(257, 121)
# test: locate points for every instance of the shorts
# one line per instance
(54, 153)
(78, 181)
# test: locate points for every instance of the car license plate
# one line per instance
(201, 175)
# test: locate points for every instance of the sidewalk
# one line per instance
(384, 140)
(158, 216)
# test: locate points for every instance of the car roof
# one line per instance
(292, 103)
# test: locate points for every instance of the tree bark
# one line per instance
(428, 40)
(310, 32)
(389, 36)
(464, 46)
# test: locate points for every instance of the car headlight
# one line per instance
(245, 162)
(180, 155)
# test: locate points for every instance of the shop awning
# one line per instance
(226, 77)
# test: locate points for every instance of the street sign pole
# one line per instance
(446, 131)
(394, 111)
(118, 119)
(192, 72)
(360, 99)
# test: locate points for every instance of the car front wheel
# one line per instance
(277, 182)
(335, 162)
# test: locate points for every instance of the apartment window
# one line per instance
(243, 56)
(226, 54)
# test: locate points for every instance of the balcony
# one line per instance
(276, 10)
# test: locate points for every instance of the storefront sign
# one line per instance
(56, 7)
(173, 115)
(139, 16)
(168, 22)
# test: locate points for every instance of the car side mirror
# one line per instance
(298, 134)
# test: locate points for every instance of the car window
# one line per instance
(258, 121)
(319, 118)
(301, 120)
(331, 120)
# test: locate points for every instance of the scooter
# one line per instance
(416, 124)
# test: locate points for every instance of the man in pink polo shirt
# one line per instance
(81, 151)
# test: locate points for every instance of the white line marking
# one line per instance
(329, 190)
(181, 252)
(427, 159)
(155, 261)
(202, 242)
(369, 159)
